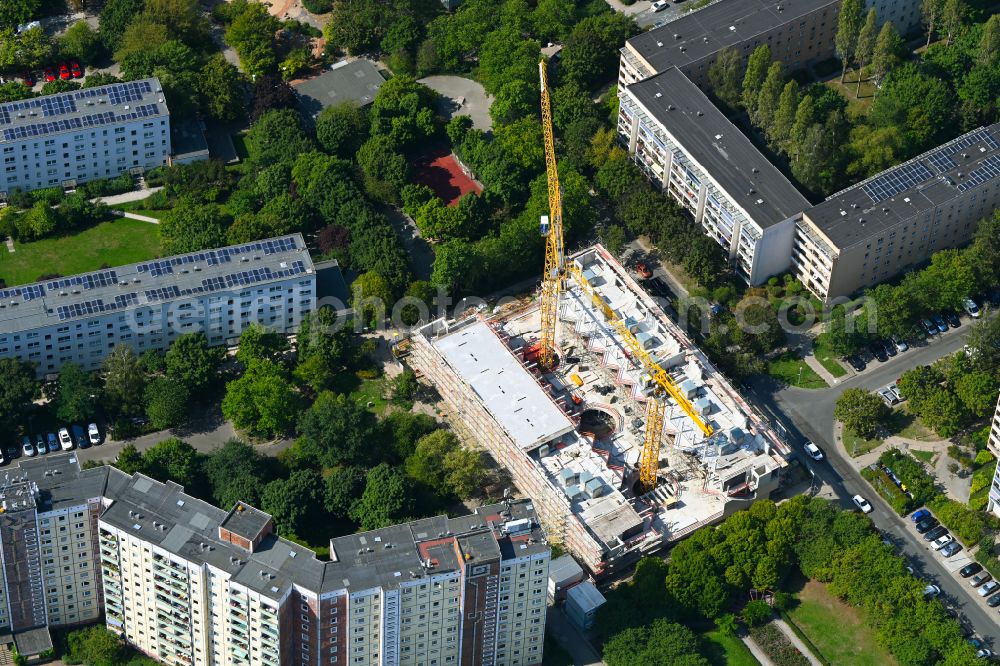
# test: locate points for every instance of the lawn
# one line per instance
(855, 445)
(139, 208)
(923, 456)
(906, 424)
(793, 371)
(362, 391)
(837, 630)
(723, 650)
(856, 106)
(827, 358)
(113, 243)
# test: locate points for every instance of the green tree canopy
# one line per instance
(337, 431)
(167, 402)
(293, 500)
(191, 361)
(124, 380)
(76, 394)
(860, 411)
(174, 460)
(18, 389)
(341, 129)
(262, 401)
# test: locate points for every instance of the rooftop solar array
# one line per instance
(941, 159)
(28, 293)
(243, 278)
(79, 122)
(987, 171)
(162, 293)
(221, 256)
(88, 281)
(897, 180)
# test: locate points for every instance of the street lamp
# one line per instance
(799, 382)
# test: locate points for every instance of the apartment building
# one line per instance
(689, 149)
(146, 305)
(191, 584)
(72, 137)
(993, 444)
(893, 221)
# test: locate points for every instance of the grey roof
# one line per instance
(866, 210)
(721, 149)
(564, 568)
(246, 521)
(81, 109)
(704, 32)
(125, 288)
(61, 483)
(187, 139)
(347, 81)
(33, 642)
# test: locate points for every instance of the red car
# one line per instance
(49, 75)
(28, 79)
(64, 72)
(74, 67)
(643, 271)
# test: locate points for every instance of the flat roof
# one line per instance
(246, 521)
(722, 150)
(346, 81)
(505, 387)
(908, 190)
(149, 283)
(88, 108)
(720, 25)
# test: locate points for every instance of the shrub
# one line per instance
(984, 457)
(887, 488)
(756, 613)
(912, 473)
(50, 195)
(777, 646)
(968, 525)
(318, 6)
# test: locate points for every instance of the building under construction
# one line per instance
(572, 436)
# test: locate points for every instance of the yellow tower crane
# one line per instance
(552, 228)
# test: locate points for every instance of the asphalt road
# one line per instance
(808, 414)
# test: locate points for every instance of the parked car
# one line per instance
(935, 533)
(942, 541)
(64, 72)
(899, 343)
(919, 515)
(856, 362)
(971, 308)
(929, 327)
(53, 443)
(49, 75)
(970, 569)
(659, 5)
(993, 601)
(40, 445)
(988, 589)
(79, 436)
(862, 504)
(918, 333)
(952, 319)
(876, 350)
(813, 451)
(27, 447)
(984, 653)
(951, 548)
(938, 320)
(75, 69)
(643, 271)
(931, 591)
(980, 578)
(64, 440)
(93, 434)
(927, 524)
(890, 395)
(28, 79)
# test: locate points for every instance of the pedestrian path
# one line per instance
(797, 642)
(136, 216)
(814, 363)
(757, 653)
(127, 197)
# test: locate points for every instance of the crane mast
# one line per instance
(551, 227)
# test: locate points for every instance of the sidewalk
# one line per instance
(136, 216)
(799, 645)
(126, 197)
(813, 363)
(757, 653)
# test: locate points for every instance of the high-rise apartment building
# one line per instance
(993, 444)
(146, 305)
(191, 584)
(69, 138)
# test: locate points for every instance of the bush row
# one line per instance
(776, 645)
(967, 525)
(887, 488)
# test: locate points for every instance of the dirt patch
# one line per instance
(816, 592)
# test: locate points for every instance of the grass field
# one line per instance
(113, 243)
(906, 424)
(923, 456)
(362, 391)
(855, 445)
(827, 358)
(139, 208)
(723, 650)
(795, 372)
(837, 630)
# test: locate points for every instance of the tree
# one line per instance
(767, 100)
(661, 642)
(848, 26)
(976, 390)
(784, 116)
(191, 226)
(270, 93)
(385, 500)
(426, 464)
(553, 19)
(355, 26)
(464, 471)
(886, 53)
(262, 401)
(753, 77)
(13, 14)
(221, 89)
(141, 38)
(124, 380)
(39, 221)
(80, 42)
(918, 384)
(251, 34)
(34, 48)
(989, 43)
(403, 110)
(865, 48)
(371, 298)
(757, 612)
(235, 472)
(191, 361)
(338, 431)
(952, 17)
(290, 501)
(18, 389)
(943, 412)
(259, 342)
(726, 76)
(571, 104)
(96, 645)
(860, 411)
(341, 129)
(167, 403)
(173, 460)
(590, 53)
(385, 169)
(75, 394)
(513, 100)
(930, 11)
(14, 91)
(343, 488)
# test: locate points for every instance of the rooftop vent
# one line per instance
(659, 95)
(906, 199)
(843, 213)
(677, 36)
(760, 201)
(700, 114)
(659, 43)
(670, 107)
(732, 28)
(718, 136)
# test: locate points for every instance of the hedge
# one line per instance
(776, 645)
(912, 473)
(986, 557)
(887, 488)
(968, 525)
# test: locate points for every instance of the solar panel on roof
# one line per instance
(32, 291)
(897, 180)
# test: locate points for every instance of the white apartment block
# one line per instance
(993, 444)
(147, 305)
(690, 150)
(72, 137)
(190, 584)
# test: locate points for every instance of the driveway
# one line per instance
(808, 414)
(462, 97)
